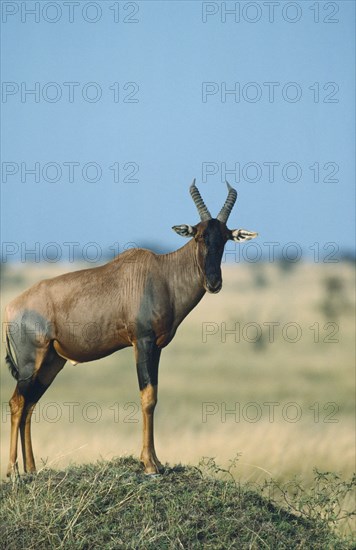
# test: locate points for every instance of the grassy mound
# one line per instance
(114, 505)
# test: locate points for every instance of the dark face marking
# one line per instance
(211, 237)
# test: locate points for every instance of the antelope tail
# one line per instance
(10, 361)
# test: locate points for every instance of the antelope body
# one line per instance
(139, 299)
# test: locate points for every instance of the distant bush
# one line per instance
(285, 265)
(335, 301)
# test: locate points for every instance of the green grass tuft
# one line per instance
(113, 504)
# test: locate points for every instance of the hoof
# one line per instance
(153, 469)
(13, 472)
(152, 476)
(152, 465)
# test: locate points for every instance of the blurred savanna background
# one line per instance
(265, 370)
(108, 118)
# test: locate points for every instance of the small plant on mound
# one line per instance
(329, 500)
(323, 502)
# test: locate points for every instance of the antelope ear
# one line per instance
(242, 235)
(184, 230)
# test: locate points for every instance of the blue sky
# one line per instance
(169, 125)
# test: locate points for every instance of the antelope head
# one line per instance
(211, 235)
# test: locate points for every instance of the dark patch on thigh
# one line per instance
(28, 333)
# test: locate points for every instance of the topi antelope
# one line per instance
(139, 299)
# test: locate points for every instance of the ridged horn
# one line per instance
(199, 203)
(229, 204)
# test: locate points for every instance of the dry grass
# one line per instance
(194, 372)
(112, 504)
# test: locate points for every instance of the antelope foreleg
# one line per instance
(148, 454)
(147, 360)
